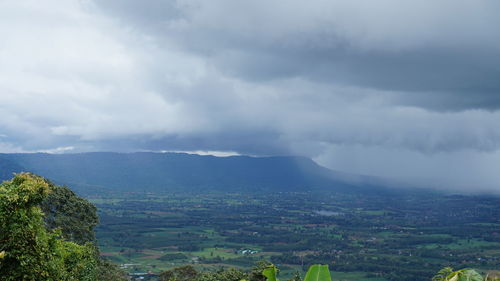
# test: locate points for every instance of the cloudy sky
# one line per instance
(408, 90)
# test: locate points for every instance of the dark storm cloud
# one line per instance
(375, 87)
(445, 54)
(153, 14)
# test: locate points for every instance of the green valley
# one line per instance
(361, 237)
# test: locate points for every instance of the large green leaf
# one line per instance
(318, 273)
(270, 273)
(443, 274)
(465, 275)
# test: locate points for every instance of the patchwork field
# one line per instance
(367, 237)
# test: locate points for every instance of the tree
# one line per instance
(110, 272)
(182, 273)
(258, 269)
(74, 216)
(29, 251)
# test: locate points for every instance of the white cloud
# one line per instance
(206, 152)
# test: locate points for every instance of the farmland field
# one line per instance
(361, 237)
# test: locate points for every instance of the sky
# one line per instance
(405, 90)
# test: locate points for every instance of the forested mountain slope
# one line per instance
(170, 171)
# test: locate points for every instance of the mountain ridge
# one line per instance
(150, 171)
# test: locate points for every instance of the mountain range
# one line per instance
(147, 171)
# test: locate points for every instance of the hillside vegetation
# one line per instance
(56, 244)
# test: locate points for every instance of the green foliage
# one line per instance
(270, 273)
(80, 262)
(75, 218)
(29, 250)
(315, 273)
(318, 273)
(257, 271)
(73, 215)
(110, 272)
(183, 273)
(466, 274)
(263, 270)
(442, 274)
(231, 274)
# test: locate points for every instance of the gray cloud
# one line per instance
(327, 79)
(446, 49)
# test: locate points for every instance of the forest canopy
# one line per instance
(46, 233)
